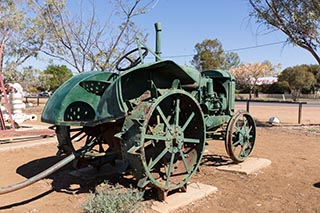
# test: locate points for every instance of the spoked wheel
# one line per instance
(164, 141)
(241, 135)
(72, 138)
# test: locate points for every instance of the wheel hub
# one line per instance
(174, 139)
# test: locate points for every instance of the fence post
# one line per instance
(248, 103)
(299, 113)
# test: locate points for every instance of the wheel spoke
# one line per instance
(170, 169)
(245, 122)
(76, 129)
(148, 143)
(248, 143)
(88, 139)
(188, 121)
(185, 162)
(177, 111)
(73, 137)
(158, 158)
(163, 116)
(238, 129)
(191, 140)
(243, 151)
(155, 137)
(236, 143)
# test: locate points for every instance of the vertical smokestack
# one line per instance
(158, 39)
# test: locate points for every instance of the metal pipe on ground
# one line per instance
(45, 173)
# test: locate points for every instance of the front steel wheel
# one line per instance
(240, 137)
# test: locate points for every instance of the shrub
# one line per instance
(115, 199)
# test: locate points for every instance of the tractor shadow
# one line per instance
(317, 185)
(215, 160)
(88, 179)
(83, 179)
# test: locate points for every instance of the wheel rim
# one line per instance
(172, 139)
(241, 134)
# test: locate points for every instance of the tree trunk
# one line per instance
(312, 51)
(1, 54)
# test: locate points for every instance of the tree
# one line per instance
(297, 78)
(315, 69)
(30, 79)
(55, 75)
(85, 42)
(299, 20)
(210, 55)
(22, 34)
(247, 74)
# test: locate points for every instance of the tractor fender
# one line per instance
(75, 101)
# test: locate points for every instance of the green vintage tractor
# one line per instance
(155, 117)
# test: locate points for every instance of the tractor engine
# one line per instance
(213, 102)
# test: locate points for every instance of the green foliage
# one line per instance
(210, 55)
(315, 69)
(115, 199)
(55, 75)
(30, 79)
(275, 88)
(22, 33)
(297, 78)
(11, 75)
(299, 20)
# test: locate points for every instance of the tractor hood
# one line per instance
(92, 98)
(135, 82)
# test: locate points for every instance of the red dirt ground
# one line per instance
(290, 184)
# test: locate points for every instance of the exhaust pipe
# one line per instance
(158, 40)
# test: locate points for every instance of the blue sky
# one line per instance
(186, 23)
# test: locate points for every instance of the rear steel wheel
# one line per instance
(241, 135)
(101, 136)
(164, 140)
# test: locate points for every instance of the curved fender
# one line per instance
(115, 102)
(75, 102)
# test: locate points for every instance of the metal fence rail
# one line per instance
(278, 102)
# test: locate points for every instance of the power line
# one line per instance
(232, 50)
(257, 46)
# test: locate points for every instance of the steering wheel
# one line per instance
(131, 58)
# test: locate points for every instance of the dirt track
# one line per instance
(290, 184)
